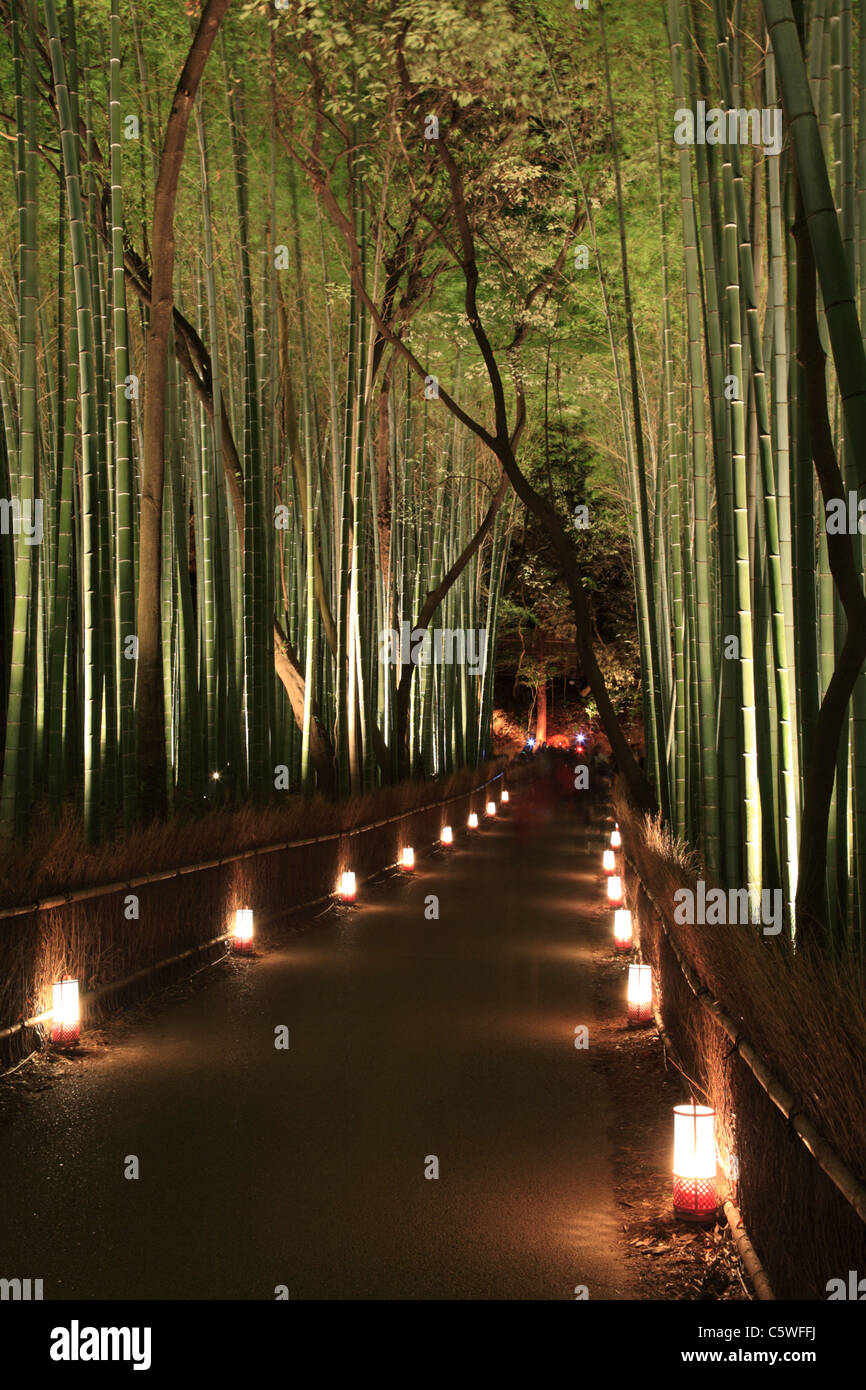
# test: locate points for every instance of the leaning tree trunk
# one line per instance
(150, 692)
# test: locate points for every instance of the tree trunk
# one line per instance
(150, 694)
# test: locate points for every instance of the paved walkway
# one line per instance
(409, 1038)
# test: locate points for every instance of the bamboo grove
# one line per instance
(750, 604)
(344, 425)
(313, 497)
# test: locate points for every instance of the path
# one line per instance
(408, 1038)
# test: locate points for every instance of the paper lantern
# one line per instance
(695, 1196)
(447, 835)
(622, 929)
(615, 839)
(66, 1013)
(614, 890)
(504, 797)
(408, 860)
(242, 939)
(608, 861)
(473, 820)
(640, 995)
(491, 808)
(347, 886)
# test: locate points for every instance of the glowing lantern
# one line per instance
(695, 1197)
(615, 839)
(242, 940)
(408, 860)
(447, 835)
(622, 933)
(504, 797)
(347, 886)
(491, 808)
(614, 890)
(473, 820)
(66, 1014)
(640, 995)
(608, 861)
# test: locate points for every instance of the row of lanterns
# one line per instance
(640, 979)
(65, 1029)
(694, 1166)
(407, 856)
(608, 864)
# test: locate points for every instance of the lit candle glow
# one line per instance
(408, 860)
(640, 995)
(615, 839)
(622, 929)
(347, 886)
(447, 835)
(614, 890)
(473, 820)
(491, 808)
(66, 1014)
(242, 940)
(695, 1196)
(608, 861)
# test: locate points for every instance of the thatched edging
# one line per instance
(798, 1025)
(79, 895)
(826, 1157)
(51, 938)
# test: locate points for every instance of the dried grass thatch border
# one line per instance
(288, 857)
(804, 1020)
